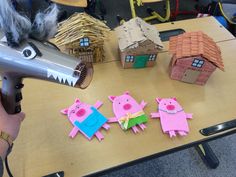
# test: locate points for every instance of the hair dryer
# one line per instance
(33, 59)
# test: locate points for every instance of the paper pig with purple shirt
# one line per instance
(172, 117)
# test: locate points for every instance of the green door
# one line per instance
(140, 61)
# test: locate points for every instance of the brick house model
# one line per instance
(139, 43)
(195, 57)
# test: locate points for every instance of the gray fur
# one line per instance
(45, 23)
(17, 27)
(12, 23)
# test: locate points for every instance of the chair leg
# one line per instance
(132, 7)
(207, 155)
(155, 15)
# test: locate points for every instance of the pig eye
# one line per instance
(127, 100)
(73, 111)
(164, 103)
(170, 102)
(119, 102)
(77, 106)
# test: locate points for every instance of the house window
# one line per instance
(129, 59)
(84, 42)
(197, 63)
(152, 58)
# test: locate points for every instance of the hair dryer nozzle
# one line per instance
(85, 73)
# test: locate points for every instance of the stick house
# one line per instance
(195, 57)
(139, 43)
(83, 36)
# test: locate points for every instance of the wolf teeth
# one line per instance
(62, 78)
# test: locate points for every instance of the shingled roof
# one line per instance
(136, 31)
(195, 44)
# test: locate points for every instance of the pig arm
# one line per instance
(143, 104)
(155, 115)
(98, 104)
(189, 115)
(112, 119)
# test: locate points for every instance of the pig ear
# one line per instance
(174, 98)
(111, 98)
(158, 100)
(64, 111)
(77, 100)
(126, 93)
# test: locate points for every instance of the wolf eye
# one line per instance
(31, 51)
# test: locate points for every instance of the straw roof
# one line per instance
(81, 25)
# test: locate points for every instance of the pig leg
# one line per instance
(98, 104)
(99, 136)
(172, 133)
(73, 132)
(106, 126)
(142, 126)
(182, 133)
(135, 129)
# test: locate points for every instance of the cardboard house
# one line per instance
(83, 36)
(195, 57)
(139, 43)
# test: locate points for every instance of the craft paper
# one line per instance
(91, 124)
(139, 40)
(195, 56)
(172, 117)
(128, 113)
(86, 119)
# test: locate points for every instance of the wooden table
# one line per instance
(44, 147)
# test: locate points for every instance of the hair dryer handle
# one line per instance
(11, 93)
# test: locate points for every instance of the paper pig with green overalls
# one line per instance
(128, 112)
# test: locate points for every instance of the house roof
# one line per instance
(136, 31)
(81, 25)
(195, 44)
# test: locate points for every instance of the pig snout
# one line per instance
(170, 107)
(80, 112)
(127, 106)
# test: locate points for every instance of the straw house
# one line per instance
(83, 36)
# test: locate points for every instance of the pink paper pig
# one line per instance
(128, 113)
(79, 112)
(172, 116)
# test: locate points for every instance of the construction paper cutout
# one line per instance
(128, 113)
(172, 117)
(86, 119)
(91, 124)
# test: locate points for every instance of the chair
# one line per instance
(178, 12)
(154, 14)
